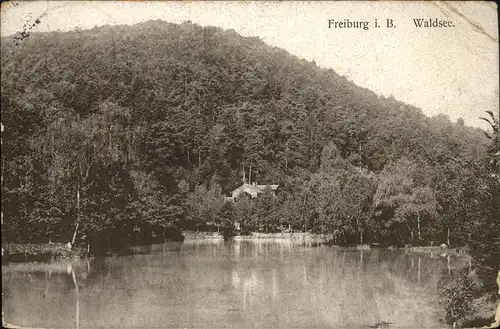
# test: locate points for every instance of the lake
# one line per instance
(239, 284)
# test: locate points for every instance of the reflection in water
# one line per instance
(237, 284)
(418, 275)
(304, 270)
(77, 317)
(274, 284)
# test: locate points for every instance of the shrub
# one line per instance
(458, 298)
(245, 231)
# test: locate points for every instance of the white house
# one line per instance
(251, 189)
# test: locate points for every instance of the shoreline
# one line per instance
(322, 239)
(33, 252)
(190, 235)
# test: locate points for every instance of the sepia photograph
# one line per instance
(250, 164)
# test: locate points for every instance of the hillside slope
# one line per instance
(119, 126)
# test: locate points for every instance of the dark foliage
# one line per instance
(135, 132)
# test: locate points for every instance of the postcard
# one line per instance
(250, 164)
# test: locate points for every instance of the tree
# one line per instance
(266, 211)
(485, 245)
(494, 146)
(244, 209)
(218, 106)
(399, 193)
(358, 193)
(422, 202)
(394, 190)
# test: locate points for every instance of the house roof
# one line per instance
(252, 189)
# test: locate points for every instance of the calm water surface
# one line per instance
(240, 284)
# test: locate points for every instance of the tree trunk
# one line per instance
(250, 175)
(448, 238)
(74, 234)
(360, 231)
(77, 216)
(302, 221)
(401, 233)
(418, 226)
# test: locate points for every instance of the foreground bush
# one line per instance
(467, 301)
(458, 298)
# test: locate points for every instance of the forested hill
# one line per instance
(146, 121)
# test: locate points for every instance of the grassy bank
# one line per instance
(436, 250)
(193, 235)
(32, 252)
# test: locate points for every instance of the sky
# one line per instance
(451, 71)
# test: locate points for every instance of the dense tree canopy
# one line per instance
(126, 128)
